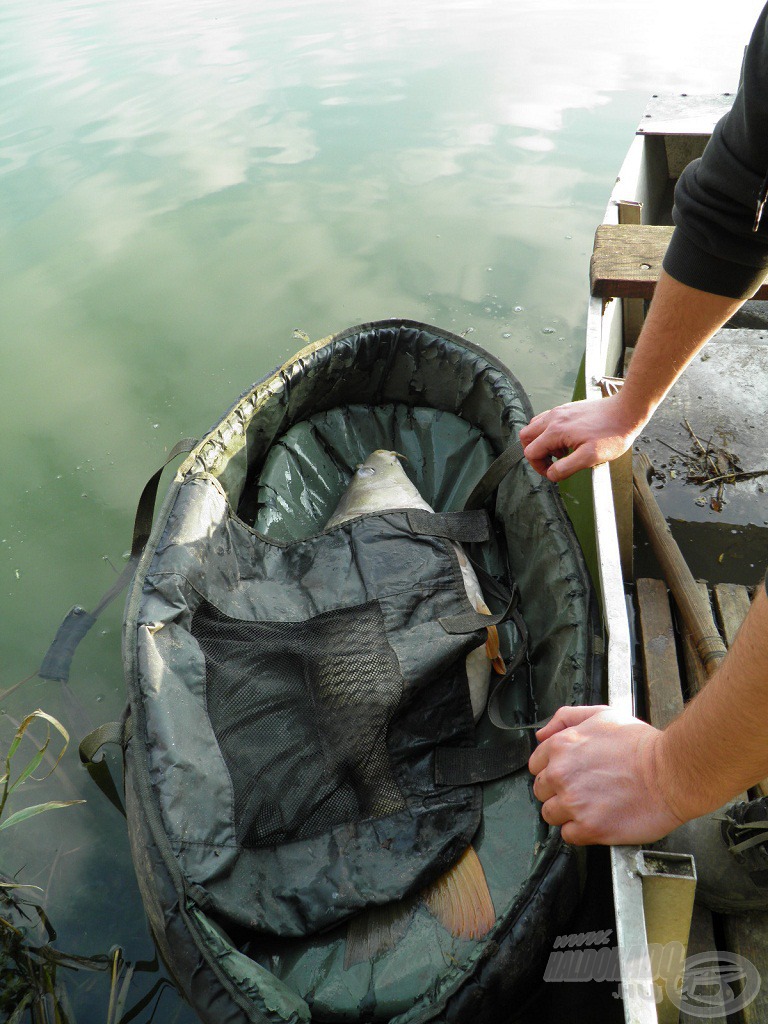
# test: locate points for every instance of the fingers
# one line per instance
(574, 833)
(540, 446)
(535, 447)
(565, 717)
(534, 427)
(578, 435)
(567, 463)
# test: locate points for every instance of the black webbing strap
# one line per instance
(494, 700)
(467, 527)
(465, 766)
(58, 658)
(493, 476)
(469, 622)
(112, 732)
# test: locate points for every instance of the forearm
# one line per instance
(719, 746)
(679, 322)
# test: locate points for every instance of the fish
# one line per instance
(380, 483)
(460, 898)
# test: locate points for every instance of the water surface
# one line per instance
(184, 185)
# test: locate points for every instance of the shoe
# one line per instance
(730, 848)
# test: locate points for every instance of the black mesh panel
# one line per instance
(301, 712)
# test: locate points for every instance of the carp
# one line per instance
(459, 899)
(380, 484)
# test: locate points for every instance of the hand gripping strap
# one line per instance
(464, 766)
(493, 476)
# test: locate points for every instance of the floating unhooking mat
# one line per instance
(299, 748)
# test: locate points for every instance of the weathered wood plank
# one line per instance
(627, 258)
(665, 701)
(662, 676)
(747, 935)
(732, 603)
(702, 940)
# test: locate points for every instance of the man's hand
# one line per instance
(583, 434)
(578, 435)
(597, 776)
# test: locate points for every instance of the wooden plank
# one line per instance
(747, 935)
(662, 677)
(665, 701)
(702, 940)
(627, 258)
(732, 603)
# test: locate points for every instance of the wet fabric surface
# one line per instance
(281, 458)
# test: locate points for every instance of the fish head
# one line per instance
(382, 463)
(379, 483)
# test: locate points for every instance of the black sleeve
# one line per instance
(715, 246)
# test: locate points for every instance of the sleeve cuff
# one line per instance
(694, 267)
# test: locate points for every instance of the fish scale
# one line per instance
(459, 899)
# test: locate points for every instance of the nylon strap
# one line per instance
(466, 766)
(110, 732)
(59, 655)
(462, 527)
(493, 476)
(58, 658)
(469, 622)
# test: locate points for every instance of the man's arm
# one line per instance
(680, 321)
(611, 779)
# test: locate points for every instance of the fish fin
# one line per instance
(492, 650)
(377, 930)
(460, 899)
(492, 643)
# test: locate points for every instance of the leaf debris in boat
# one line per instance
(711, 465)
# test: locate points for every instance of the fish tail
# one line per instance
(377, 930)
(460, 899)
(493, 652)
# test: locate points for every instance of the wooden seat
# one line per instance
(627, 258)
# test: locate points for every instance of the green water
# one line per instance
(184, 185)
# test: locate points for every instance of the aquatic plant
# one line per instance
(7, 787)
(30, 989)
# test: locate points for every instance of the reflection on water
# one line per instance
(183, 185)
